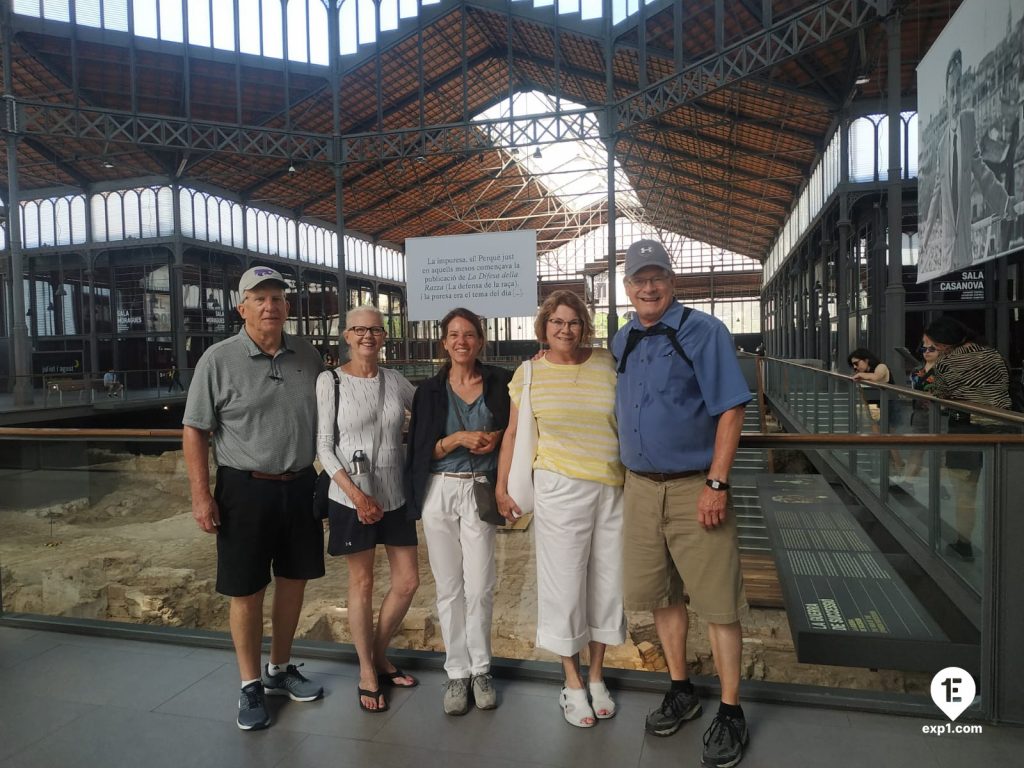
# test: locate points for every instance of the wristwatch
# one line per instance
(716, 485)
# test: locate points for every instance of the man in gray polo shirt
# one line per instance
(253, 397)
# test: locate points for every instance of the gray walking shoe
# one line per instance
(252, 708)
(724, 741)
(483, 691)
(291, 683)
(456, 696)
(676, 708)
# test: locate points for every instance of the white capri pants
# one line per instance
(578, 538)
(460, 547)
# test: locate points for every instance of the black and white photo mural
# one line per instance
(970, 88)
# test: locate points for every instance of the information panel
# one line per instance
(845, 602)
(493, 274)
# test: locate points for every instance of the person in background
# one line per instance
(255, 393)
(679, 402)
(868, 368)
(111, 383)
(578, 501)
(969, 370)
(458, 417)
(174, 378)
(922, 379)
(362, 518)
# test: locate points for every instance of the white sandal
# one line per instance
(601, 698)
(576, 707)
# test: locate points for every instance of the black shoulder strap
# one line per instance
(337, 384)
(659, 330)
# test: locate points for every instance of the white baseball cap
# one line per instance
(253, 277)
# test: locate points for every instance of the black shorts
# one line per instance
(349, 536)
(265, 524)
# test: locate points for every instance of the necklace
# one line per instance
(578, 366)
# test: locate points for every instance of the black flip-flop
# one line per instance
(378, 695)
(389, 678)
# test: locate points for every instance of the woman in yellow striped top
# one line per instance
(578, 501)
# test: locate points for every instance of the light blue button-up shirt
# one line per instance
(668, 409)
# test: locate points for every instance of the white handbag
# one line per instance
(520, 475)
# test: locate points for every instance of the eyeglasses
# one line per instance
(559, 324)
(648, 282)
(927, 349)
(362, 330)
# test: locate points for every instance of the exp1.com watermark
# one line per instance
(952, 690)
(948, 728)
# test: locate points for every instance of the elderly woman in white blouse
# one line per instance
(371, 410)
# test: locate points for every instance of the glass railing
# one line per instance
(929, 487)
(70, 389)
(97, 525)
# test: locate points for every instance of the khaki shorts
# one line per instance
(665, 548)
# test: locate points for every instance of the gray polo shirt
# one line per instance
(261, 410)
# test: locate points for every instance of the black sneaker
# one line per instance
(676, 708)
(252, 708)
(291, 683)
(724, 742)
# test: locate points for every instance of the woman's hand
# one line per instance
(368, 509)
(507, 506)
(490, 441)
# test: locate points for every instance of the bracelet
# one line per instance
(440, 444)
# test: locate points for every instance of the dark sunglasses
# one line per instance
(927, 349)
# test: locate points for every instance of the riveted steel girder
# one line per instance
(785, 40)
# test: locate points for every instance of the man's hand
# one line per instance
(711, 508)
(205, 513)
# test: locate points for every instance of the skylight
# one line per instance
(573, 171)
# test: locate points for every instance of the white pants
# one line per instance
(578, 538)
(461, 551)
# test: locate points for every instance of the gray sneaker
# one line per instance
(724, 741)
(252, 708)
(483, 691)
(291, 683)
(676, 708)
(456, 696)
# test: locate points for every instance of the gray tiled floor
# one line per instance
(90, 701)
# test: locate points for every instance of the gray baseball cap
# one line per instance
(253, 277)
(646, 253)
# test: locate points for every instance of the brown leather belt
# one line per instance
(279, 478)
(664, 477)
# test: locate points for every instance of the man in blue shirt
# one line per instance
(679, 402)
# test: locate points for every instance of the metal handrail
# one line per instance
(905, 392)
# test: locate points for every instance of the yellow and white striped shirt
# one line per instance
(574, 406)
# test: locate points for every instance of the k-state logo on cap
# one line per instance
(263, 271)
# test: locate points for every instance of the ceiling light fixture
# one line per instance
(536, 154)
(862, 79)
(291, 167)
(107, 164)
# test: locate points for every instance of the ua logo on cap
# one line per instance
(646, 249)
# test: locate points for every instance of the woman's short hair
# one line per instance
(949, 330)
(471, 317)
(563, 298)
(863, 354)
(363, 308)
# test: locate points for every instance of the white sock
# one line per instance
(249, 682)
(276, 669)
